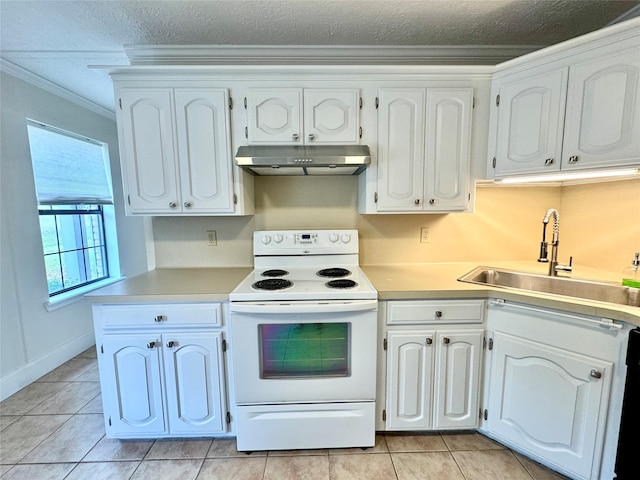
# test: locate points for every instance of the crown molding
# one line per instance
(44, 84)
(323, 54)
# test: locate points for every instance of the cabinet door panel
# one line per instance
(530, 120)
(457, 380)
(409, 378)
(603, 111)
(204, 143)
(448, 148)
(331, 116)
(401, 127)
(131, 385)
(545, 400)
(194, 379)
(274, 116)
(149, 151)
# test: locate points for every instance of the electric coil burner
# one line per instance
(303, 327)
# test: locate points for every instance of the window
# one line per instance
(73, 188)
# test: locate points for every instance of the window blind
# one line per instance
(68, 169)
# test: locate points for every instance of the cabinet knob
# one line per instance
(574, 159)
(187, 204)
(595, 373)
(438, 314)
(417, 201)
(295, 136)
(432, 201)
(548, 161)
(171, 344)
(159, 318)
(428, 341)
(172, 204)
(151, 345)
(446, 340)
(311, 136)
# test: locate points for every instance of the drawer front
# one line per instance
(161, 314)
(434, 311)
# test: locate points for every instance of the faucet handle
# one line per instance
(565, 268)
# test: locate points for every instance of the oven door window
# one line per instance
(295, 350)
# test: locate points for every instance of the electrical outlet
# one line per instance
(425, 235)
(212, 238)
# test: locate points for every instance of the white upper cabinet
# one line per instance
(296, 116)
(603, 112)
(579, 111)
(176, 151)
(424, 149)
(531, 115)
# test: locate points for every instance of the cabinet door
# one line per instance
(274, 116)
(331, 116)
(448, 148)
(409, 379)
(603, 112)
(204, 146)
(530, 121)
(148, 150)
(194, 378)
(401, 143)
(457, 378)
(131, 385)
(550, 402)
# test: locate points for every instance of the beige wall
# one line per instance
(599, 225)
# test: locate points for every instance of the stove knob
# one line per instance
(278, 238)
(334, 237)
(266, 239)
(346, 238)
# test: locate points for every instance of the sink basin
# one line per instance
(569, 287)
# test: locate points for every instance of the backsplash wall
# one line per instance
(599, 225)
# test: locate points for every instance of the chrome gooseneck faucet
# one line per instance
(554, 267)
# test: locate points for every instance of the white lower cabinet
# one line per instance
(552, 391)
(160, 381)
(433, 372)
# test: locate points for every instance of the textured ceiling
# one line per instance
(56, 40)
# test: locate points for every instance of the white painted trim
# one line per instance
(323, 54)
(48, 86)
(30, 372)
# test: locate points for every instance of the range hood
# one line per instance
(304, 160)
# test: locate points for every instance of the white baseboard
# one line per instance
(30, 372)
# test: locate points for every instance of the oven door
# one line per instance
(304, 351)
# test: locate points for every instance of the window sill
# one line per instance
(68, 298)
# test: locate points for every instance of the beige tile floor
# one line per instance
(53, 429)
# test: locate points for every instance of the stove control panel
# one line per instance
(311, 241)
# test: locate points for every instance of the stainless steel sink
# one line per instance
(569, 287)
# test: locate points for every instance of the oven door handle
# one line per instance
(304, 307)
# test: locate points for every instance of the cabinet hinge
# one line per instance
(245, 103)
(375, 197)
(235, 199)
(228, 417)
(384, 415)
(494, 162)
(224, 345)
(485, 414)
(246, 132)
(497, 100)
(384, 344)
(377, 102)
(230, 103)
(360, 103)
(360, 132)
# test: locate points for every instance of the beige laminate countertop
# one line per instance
(439, 280)
(173, 285)
(393, 282)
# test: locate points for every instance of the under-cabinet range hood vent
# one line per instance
(304, 160)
